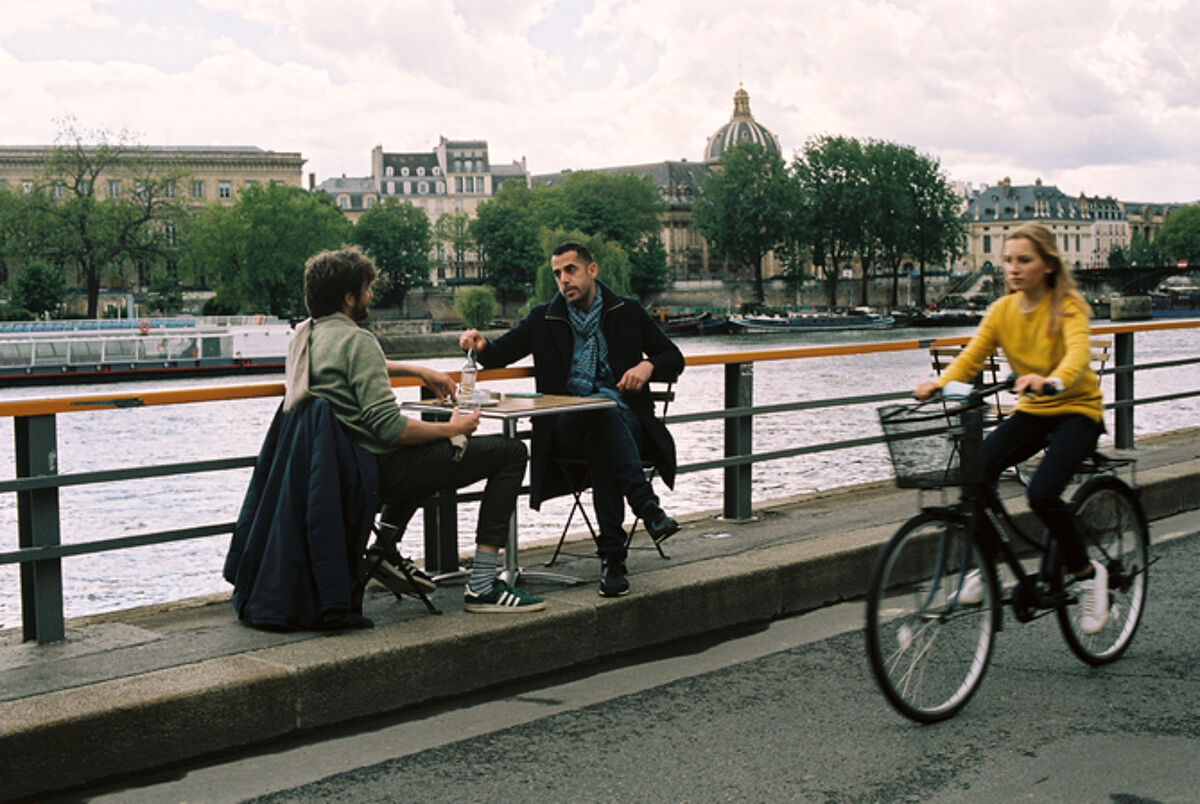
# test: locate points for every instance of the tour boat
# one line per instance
(859, 318)
(50, 352)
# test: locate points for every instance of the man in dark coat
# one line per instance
(588, 341)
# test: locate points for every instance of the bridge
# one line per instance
(136, 690)
(1132, 280)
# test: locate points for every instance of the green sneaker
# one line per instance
(503, 599)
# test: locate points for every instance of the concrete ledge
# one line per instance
(89, 732)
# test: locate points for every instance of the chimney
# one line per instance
(312, 181)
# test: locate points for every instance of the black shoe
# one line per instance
(613, 582)
(659, 525)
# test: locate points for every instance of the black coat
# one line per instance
(294, 559)
(632, 336)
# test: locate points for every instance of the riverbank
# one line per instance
(137, 690)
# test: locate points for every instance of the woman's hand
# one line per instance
(1029, 384)
(925, 390)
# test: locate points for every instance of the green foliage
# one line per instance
(507, 236)
(1179, 237)
(613, 263)
(1142, 252)
(11, 312)
(257, 247)
(648, 270)
(622, 209)
(397, 236)
(745, 207)
(38, 288)
(476, 306)
(453, 231)
(218, 306)
(166, 294)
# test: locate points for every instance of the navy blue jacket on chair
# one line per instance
(294, 559)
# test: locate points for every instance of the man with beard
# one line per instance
(346, 367)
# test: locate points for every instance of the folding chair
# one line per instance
(398, 574)
(574, 474)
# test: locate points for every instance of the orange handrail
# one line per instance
(73, 404)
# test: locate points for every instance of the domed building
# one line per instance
(741, 128)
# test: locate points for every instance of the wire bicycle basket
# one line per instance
(924, 441)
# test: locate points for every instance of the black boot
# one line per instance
(613, 582)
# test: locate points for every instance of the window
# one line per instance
(469, 183)
(391, 188)
(224, 189)
(404, 171)
(423, 188)
(458, 184)
(343, 202)
(114, 188)
(391, 171)
(197, 188)
(57, 189)
(441, 188)
(26, 186)
(437, 171)
(85, 187)
(169, 189)
(1077, 242)
(139, 189)
(458, 166)
(250, 183)
(420, 171)
(368, 202)
(408, 188)
(987, 244)
(169, 232)
(1066, 242)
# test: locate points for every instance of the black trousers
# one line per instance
(1067, 441)
(412, 474)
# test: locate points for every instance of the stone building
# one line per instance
(455, 177)
(211, 173)
(679, 184)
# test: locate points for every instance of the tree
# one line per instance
(831, 190)
(648, 267)
(166, 294)
(397, 236)
(744, 207)
(1179, 237)
(1142, 252)
(937, 228)
(507, 235)
(129, 224)
(620, 208)
(38, 288)
(257, 247)
(453, 229)
(476, 306)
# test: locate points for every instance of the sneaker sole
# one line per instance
(663, 537)
(610, 593)
(395, 581)
(493, 608)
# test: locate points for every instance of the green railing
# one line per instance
(37, 480)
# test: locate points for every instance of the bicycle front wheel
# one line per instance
(1114, 533)
(932, 617)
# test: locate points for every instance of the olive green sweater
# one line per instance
(348, 370)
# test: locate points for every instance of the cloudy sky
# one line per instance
(1095, 96)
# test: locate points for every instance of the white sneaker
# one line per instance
(971, 593)
(1093, 595)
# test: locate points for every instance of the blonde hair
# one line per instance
(1059, 280)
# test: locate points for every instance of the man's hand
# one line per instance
(464, 422)
(636, 378)
(472, 339)
(439, 382)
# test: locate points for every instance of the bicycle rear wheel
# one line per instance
(1114, 533)
(932, 617)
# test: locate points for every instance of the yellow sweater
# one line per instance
(1029, 350)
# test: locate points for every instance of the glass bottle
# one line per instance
(466, 382)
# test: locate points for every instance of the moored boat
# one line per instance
(806, 321)
(46, 352)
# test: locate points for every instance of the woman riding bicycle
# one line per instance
(1042, 325)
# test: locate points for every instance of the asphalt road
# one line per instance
(786, 713)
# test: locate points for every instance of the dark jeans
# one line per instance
(1067, 440)
(411, 474)
(609, 440)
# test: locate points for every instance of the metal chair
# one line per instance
(574, 473)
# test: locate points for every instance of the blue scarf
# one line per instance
(589, 369)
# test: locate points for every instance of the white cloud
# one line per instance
(1099, 97)
(23, 16)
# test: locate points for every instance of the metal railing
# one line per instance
(37, 479)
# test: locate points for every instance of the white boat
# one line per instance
(44, 352)
(808, 321)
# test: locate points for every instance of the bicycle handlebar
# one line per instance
(976, 395)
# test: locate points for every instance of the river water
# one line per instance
(111, 439)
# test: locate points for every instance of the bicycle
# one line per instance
(935, 604)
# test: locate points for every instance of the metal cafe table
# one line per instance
(508, 408)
